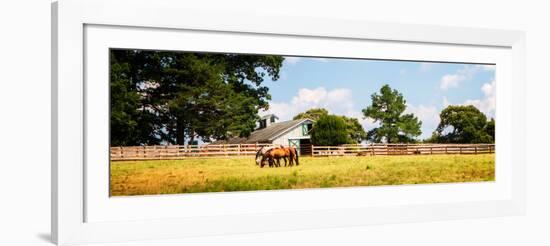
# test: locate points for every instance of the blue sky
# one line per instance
(344, 87)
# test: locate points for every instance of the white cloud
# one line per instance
(489, 89)
(367, 123)
(340, 102)
(453, 80)
(429, 115)
(487, 104)
(337, 101)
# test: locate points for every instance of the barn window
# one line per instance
(306, 128)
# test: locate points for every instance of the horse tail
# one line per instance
(296, 155)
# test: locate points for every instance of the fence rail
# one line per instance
(402, 149)
(157, 152)
(160, 152)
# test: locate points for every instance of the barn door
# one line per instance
(294, 143)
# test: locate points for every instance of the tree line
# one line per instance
(458, 124)
(176, 97)
(173, 97)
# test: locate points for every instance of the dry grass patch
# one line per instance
(241, 174)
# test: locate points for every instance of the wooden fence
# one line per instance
(401, 149)
(160, 152)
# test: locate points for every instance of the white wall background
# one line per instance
(25, 123)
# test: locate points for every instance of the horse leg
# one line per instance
(296, 157)
(290, 162)
(268, 160)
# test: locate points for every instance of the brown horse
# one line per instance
(271, 155)
(293, 156)
(261, 155)
(274, 156)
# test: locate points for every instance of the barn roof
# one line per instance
(267, 134)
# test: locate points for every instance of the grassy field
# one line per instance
(241, 174)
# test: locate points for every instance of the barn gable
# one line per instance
(274, 132)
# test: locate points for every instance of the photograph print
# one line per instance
(195, 122)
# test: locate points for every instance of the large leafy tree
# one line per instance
(330, 130)
(171, 97)
(388, 109)
(490, 129)
(130, 123)
(353, 127)
(464, 124)
(312, 114)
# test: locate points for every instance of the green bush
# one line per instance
(330, 130)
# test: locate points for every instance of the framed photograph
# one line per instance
(206, 123)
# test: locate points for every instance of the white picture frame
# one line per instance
(82, 213)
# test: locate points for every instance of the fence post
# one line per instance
(239, 149)
(475, 149)
(431, 150)
(446, 149)
(185, 150)
(312, 153)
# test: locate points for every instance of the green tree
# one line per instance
(354, 128)
(312, 114)
(330, 130)
(177, 96)
(130, 123)
(490, 129)
(387, 109)
(463, 124)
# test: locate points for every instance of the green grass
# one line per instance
(241, 174)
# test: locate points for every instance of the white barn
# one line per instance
(294, 133)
